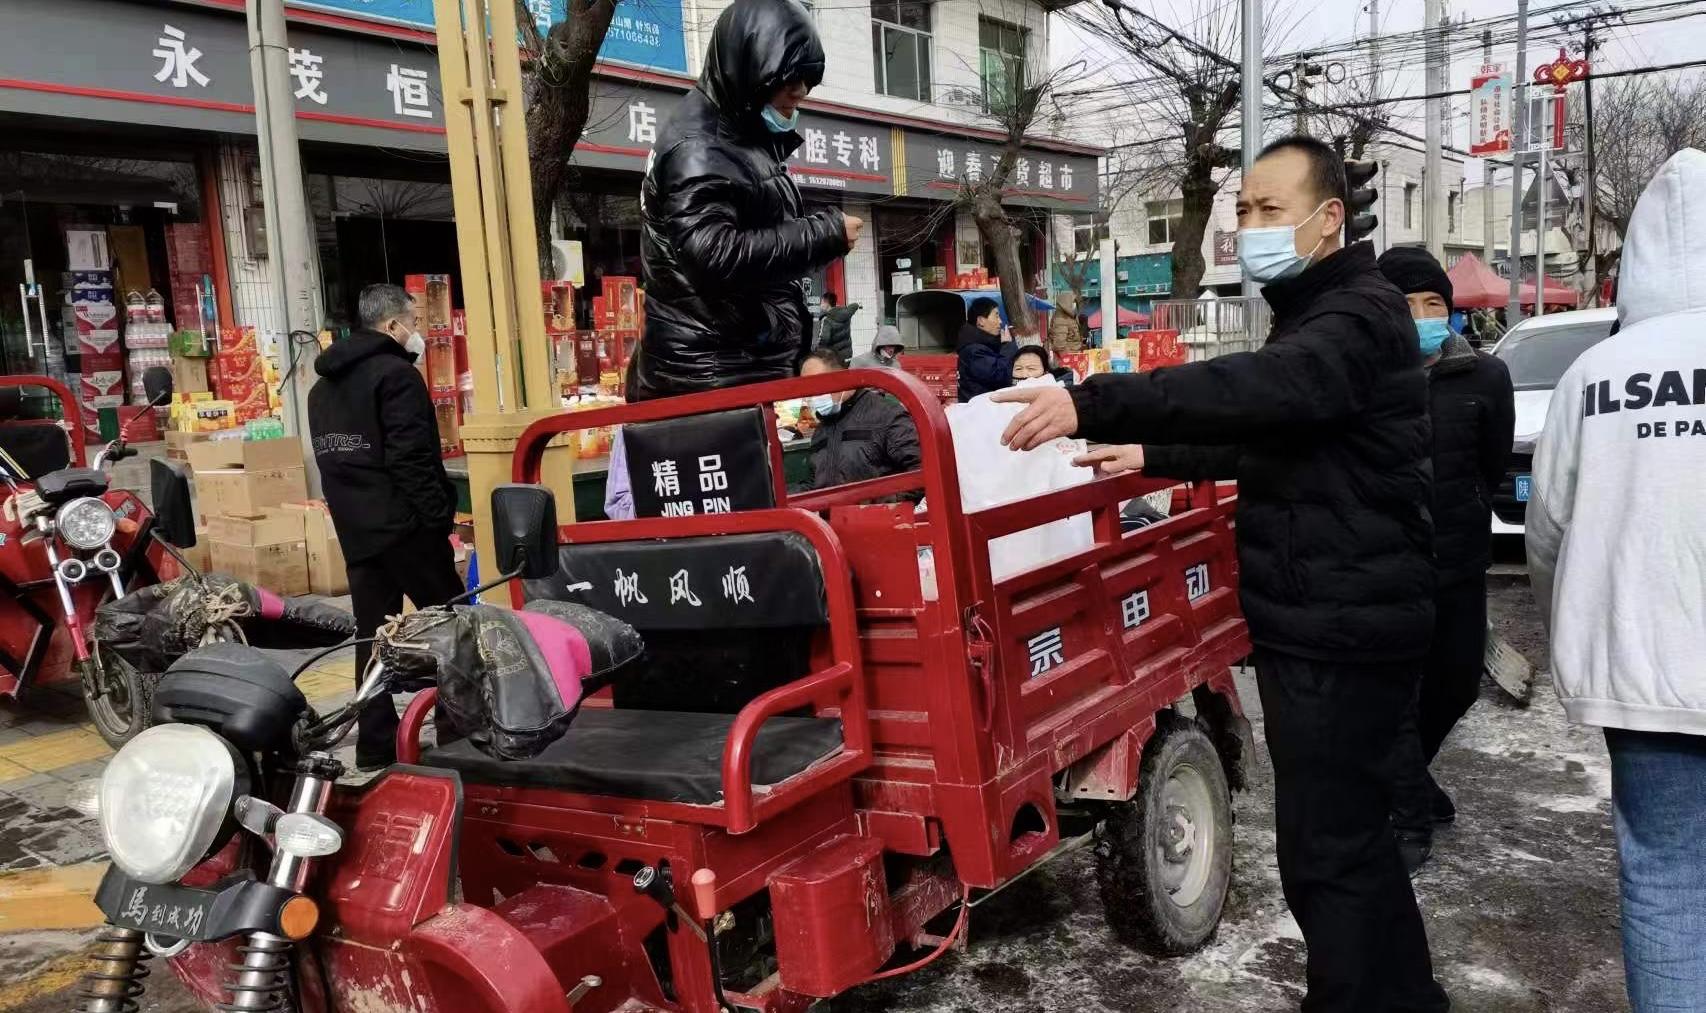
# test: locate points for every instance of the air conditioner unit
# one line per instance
(566, 264)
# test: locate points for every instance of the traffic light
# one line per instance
(1359, 198)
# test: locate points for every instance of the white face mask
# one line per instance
(416, 345)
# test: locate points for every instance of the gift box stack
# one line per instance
(147, 339)
(601, 357)
(240, 375)
(558, 298)
(431, 293)
(187, 264)
(96, 318)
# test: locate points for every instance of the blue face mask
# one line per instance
(778, 123)
(1270, 254)
(1433, 334)
(823, 405)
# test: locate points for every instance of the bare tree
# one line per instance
(1639, 122)
(1190, 94)
(557, 68)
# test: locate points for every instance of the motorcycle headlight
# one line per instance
(86, 523)
(164, 798)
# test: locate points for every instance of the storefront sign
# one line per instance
(646, 33)
(189, 68)
(836, 154)
(940, 166)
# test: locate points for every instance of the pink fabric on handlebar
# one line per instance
(272, 606)
(565, 651)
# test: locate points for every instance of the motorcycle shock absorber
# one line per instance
(113, 983)
(262, 981)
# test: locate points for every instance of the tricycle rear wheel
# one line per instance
(120, 699)
(1164, 860)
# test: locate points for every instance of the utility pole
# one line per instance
(1541, 185)
(1251, 104)
(1519, 99)
(291, 254)
(1374, 51)
(1433, 195)
(1590, 190)
(1300, 77)
(1487, 168)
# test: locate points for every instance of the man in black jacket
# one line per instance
(725, 240)
(376, 443)
(835, 326)
(985, 350)
(1325, 428)
(1474, 414)
(861, 434)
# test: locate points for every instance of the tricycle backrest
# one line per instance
(725, 618)
(717, 462)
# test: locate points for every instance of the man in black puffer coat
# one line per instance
(1326, 430)
(861, 434)
(725, 239)
(1474, 414)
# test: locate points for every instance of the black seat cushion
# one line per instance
(663, 756)
(718, 462)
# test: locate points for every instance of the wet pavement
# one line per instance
(1520, 897)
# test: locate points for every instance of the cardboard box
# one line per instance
(280, 567)
(200, 555)
(189, 376)
(247, 493)
(327, 571)
(178, 443)
(253, 455)
(272, 527)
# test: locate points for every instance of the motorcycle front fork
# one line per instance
(262, 977)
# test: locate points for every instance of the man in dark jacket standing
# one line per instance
(985, 353)
(861, 434)
(835, 326)
(1474, 415)
(376, 443)
(725, 240)
(1325, 428)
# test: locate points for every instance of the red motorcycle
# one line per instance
(69, 543)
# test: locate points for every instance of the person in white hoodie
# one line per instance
(1617, 556)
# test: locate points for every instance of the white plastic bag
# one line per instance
(991, 474)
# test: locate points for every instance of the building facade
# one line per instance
(150, 132)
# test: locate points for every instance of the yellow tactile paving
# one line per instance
(10, 771)
(57, 898)
(318, 683)
(44, 753)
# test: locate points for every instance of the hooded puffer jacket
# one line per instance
(725, 239)
(1616, 530)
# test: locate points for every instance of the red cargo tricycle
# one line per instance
(68, 543)
(843, 733)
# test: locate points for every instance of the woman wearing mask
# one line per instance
(1473, 414)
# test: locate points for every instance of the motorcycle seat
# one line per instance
(68, 484)
(660, 756)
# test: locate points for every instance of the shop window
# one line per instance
(900, 48)
(1165, 219)
(1001, 61)
(1409, 205)
(1084, 239)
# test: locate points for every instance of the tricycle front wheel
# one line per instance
(120, 699)
(1164, 860)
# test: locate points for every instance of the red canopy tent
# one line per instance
(1476, 286)
(1125, 318)
(1557, 293)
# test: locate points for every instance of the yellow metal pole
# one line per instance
(486, 134)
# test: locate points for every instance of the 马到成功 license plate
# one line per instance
(1523, 485)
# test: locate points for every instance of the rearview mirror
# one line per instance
(524, 526)
(169, 483)
(157, 385)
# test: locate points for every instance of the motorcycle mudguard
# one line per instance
(397, 867)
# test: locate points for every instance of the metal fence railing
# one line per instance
(1211, 327)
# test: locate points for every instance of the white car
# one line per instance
(1537, 352)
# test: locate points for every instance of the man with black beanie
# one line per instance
(1473, 412)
